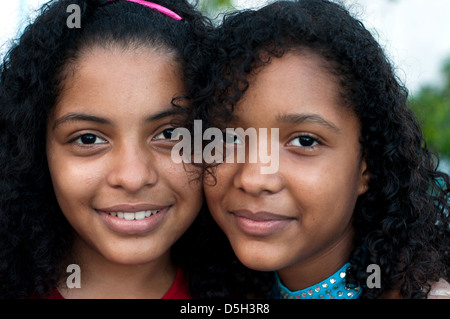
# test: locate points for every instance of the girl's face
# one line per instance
(109, 155)
(302, 213)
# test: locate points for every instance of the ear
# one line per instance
(364, 178)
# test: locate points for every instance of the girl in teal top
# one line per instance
(353, 209)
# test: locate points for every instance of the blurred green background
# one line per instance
(432, 106)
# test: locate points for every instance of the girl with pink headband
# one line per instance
(91, 203)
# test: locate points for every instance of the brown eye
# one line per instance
(88, 139)
(166, 134)
(231, 138)
(304, 141)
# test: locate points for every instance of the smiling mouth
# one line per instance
(260, 224)
(133, 219)
(134, 215)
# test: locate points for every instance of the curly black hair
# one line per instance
(34, 235)
(402, 222)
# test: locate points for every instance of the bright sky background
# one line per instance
(414, 33)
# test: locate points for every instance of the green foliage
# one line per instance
(432, 106)
(211, 7)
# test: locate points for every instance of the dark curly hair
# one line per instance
(34, 235)
(402, 221)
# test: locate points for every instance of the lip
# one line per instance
(135, 226)
(261, 223)
(132, 208)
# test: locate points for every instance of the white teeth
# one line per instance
(137, 215)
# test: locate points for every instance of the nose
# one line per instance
(132, 169)
(249, 179)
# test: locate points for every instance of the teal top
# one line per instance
(331, 288)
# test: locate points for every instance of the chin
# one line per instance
(131, 257)
(259, 265)
(130, 260)
(258, 259)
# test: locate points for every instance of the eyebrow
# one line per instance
(76, 117)
(161, 115)
(299, 118)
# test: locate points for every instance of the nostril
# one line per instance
(250, 180)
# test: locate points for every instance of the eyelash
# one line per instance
(316, 142)
(80, 137)
(236, 138)
(162, 132)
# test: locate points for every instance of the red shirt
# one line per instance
(178, 290)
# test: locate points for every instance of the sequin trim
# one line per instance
(331, 288)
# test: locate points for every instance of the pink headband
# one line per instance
(157, 7)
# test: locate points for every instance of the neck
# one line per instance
(101, 278)
(317, 267)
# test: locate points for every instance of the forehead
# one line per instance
(119, 81)
(115, 57)
(297, 68)
(298, 81)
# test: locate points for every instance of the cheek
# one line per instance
(327, 188)
(191, 196)
(213, 202)
(188, 190)
(74, 182)
(218, 186)
(185, 182)
(329, 175)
